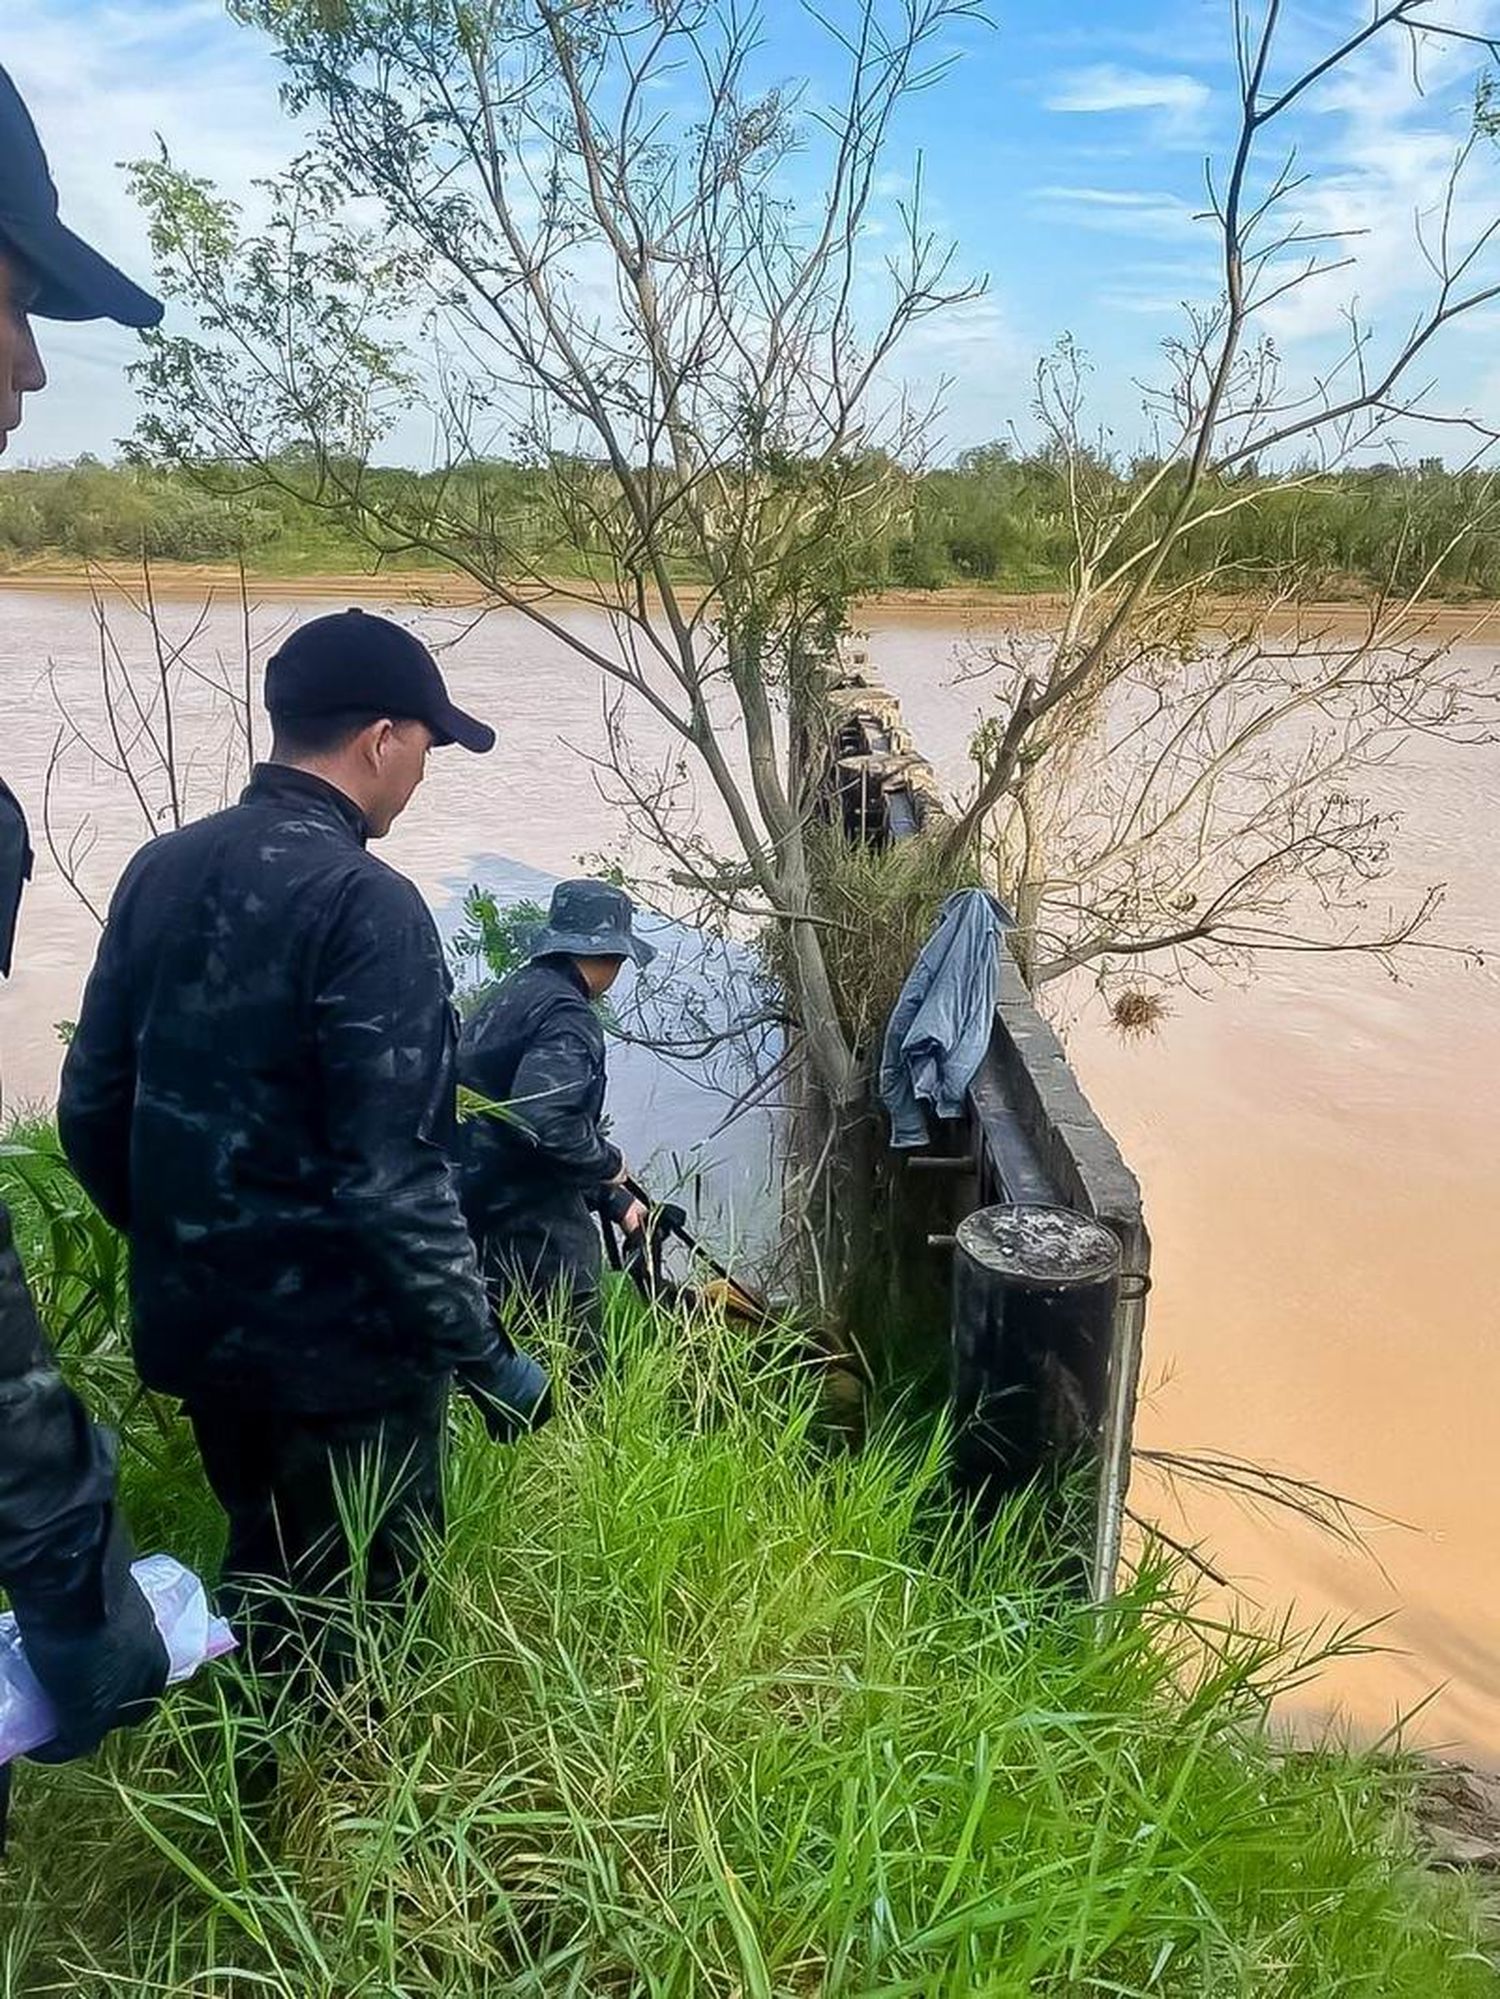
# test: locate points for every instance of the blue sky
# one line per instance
(1064, 155)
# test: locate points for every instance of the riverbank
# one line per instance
(693, 1705)
(976, 604)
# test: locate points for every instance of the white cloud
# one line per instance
(975, 323)
(1385, 184)
(1374, 146)
(974, 362)
(1107, 87)
(1133, 212)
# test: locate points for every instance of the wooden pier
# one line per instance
(1029, 1137)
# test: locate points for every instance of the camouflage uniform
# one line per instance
(64, 1552)
(64, 1555)
(533, 1178)
(260, 1092)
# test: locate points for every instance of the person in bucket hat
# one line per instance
(535, 1172)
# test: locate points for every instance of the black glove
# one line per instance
(666, 1218)
(513, 1395)
(615, 1203)
(94, 1648)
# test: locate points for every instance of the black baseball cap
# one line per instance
(351, 663)
(72, 281)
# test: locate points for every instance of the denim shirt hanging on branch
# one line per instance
(941, 1024)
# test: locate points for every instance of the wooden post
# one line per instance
(1035, 1290)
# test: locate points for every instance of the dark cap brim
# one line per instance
(455, 726)
(73, 281)
(550, 943)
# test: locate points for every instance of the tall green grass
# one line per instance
(78, 1269)
(76, 1262)
(697, 1706)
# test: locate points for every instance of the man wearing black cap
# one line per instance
(261, 1093)
(64, 1552)
(533, 1180)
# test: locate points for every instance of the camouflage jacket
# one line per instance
(64, 1553)
(56, 1470)
(261, 1093)
(535, 1045)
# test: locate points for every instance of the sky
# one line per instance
(1064, 154)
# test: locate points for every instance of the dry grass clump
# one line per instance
(1137, 1012)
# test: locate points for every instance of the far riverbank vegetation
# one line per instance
(996, 518)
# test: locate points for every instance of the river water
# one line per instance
(1318, 1150)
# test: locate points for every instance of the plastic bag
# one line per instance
(189, 1629)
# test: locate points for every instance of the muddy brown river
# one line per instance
(1318, 1149)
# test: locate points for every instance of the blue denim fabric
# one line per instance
(940, 1027)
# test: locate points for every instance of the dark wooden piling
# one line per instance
(1035, 1289)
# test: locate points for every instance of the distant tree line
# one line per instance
(1006, 519)
(995, 517)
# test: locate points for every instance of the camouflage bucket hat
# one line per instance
(590, 920)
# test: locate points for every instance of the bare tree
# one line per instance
(1175, 777)
(598, 215)
(583, 234)
(137, 731)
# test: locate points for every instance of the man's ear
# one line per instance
(377, 741)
